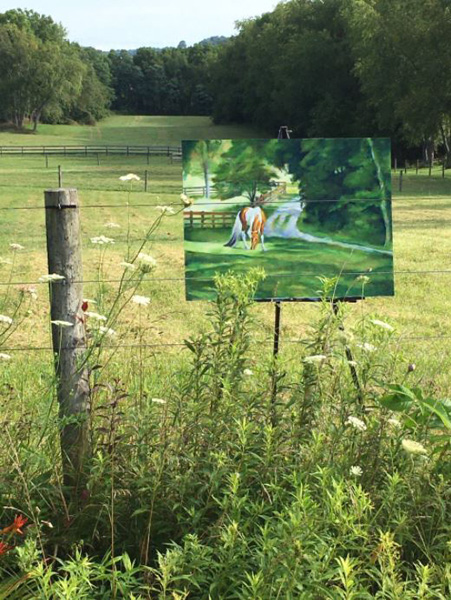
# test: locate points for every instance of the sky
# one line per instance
(122, 24)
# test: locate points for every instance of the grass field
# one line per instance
(196, 471)
(422, 234)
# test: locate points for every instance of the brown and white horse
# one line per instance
(249, 221)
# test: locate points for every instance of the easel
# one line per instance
(284, 133)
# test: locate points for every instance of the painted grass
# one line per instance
(422, 242)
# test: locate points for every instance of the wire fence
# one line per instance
(400, 178)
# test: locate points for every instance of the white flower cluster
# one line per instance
(356, 423)
(6, 320)
(165, 210)
(141, 300)
(130, 177)
(101, 239)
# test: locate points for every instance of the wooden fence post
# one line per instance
(146, 175)
(69, 343)
(60, 177)
(400, 180)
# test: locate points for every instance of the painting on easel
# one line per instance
(300, 209)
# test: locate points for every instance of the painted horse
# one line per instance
(250, 221)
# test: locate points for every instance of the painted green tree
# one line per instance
(245, 169)
(346, 183)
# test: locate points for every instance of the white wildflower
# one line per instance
(165, 210)
(248, 372)
(112, 225)
(352, 363)
(31, 290)
(356, 471)
(366, 347)
(413, 447)
(5, 319)
(158, 401)
(96, 316)
(363, 279)
(107, 331)
(101, 239)
(51, 277)
(382, 324)
(315, 358)
(62, 324)
(4, 356)
(394, 422)
(16, 247)
(130, 177)
(141, 300)
(146, 258)
(128, 265)
(89, 300)
(357, 423)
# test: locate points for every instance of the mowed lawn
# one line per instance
(420, 310)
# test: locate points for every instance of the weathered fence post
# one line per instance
(146, 176)
(69, 342)
(400, 180)
(60, 177)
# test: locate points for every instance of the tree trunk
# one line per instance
(385, 199)
(36, 117)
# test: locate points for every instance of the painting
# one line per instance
(301, 209)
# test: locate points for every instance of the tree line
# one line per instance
(327, 68)
(331, 68)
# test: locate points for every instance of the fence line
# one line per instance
(91, 150)
(398, 339)
(269, 276)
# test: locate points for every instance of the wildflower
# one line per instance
(363, 279)
(128, 265)
(4, 548)
(130, 177)
(315, 358)
(247, 372)
(51, 277)
(185, 200)
(352, 363)
(356, 471)
(112, 225)
(382, 324)
(143, 257)
(413, 447)
(142, 300)
(4, 356)
(16, 247)
(31, 290)
(107, 331)
(158, 401)
(101, 239)
(95, 316)
(165, 210)
(394, 422)
(16, 527)
(62, 324)
(357, 423)
(367, 347)
(5, 319)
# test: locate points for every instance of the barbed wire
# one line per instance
(399, 339)
(217, 202)
(268, 276)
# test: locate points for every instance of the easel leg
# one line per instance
(354, 375)
(278, 309)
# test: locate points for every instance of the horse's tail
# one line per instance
(237, 228)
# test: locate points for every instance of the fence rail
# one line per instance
(207, 219)
(90, 150)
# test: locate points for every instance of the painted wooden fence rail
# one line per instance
(172, 151)
(208, 219)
